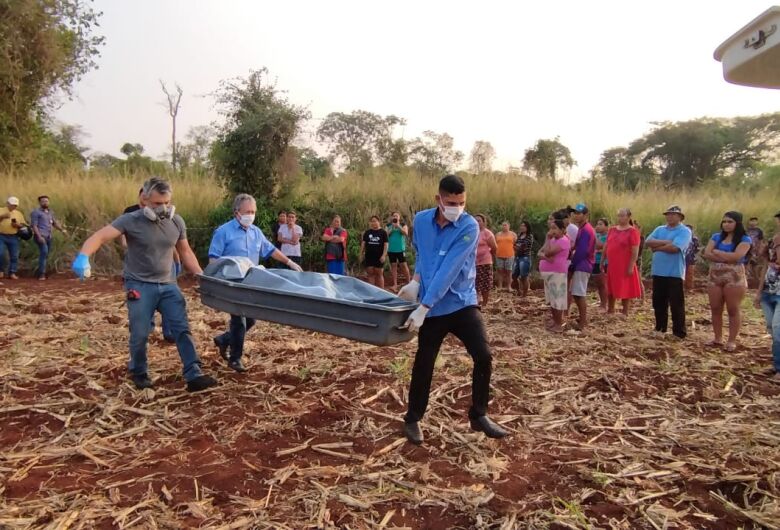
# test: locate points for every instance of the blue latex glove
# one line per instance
(81, 266)
(176, 269)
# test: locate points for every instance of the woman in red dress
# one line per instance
(621, 251)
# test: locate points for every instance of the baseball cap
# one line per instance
(13, 201)
(675, 209)
(581, 208)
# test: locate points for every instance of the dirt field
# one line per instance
(610, 428)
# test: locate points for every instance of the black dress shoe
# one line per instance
(222, 349)
(237, 365)
(488, 426)
(201, 383)
(413, 432)
(141, 381)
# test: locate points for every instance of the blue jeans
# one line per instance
(522, 267)
(234, 337)
(12, 244)
(335, 267)
(43, 253)
(770, 303)
(168, 300)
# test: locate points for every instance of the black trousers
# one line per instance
(669, 293)
(467, 325)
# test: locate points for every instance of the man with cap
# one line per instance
(43, 222)
(582, 260)
(669, 243)
(11, 220)
(445, 240)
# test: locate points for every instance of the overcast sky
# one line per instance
(594, 73)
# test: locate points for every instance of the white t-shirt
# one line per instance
(285, 233)
(571, 231)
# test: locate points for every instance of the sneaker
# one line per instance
(142, 381)
(202, 382)
(13, 276)
(42, 278)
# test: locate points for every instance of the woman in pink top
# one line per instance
(485, 250)
(553, 266)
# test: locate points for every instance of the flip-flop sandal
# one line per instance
(730, 347)
(713, 344)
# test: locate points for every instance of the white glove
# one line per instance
(417, 318)
(294, 266)
(410, 291)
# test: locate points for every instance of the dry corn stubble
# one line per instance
(610, 428)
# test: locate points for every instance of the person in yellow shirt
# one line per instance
(11, 220)
(505, 255)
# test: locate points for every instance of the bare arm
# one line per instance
(708, 254)
(98, 239)
(492, 244)
(295, 238)
(656, 244)
(733, 257)
(384, 252)
(188, 258)
(405, 230)
(667, 247)
(634, 258)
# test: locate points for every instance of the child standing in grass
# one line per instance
(553, 266)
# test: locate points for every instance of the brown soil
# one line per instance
(610, 428)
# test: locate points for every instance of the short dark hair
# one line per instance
(281, 212)
(452, 185)
(603, 220)
(753, 219)
(291, 212)
(372, 218)
(777, 215)
(42, 197)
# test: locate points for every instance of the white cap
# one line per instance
(13, 201)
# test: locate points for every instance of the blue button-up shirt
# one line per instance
(232, 239)
(446, 262)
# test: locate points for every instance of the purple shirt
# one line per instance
(44, 220)
(584, 256)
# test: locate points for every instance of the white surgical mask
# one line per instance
(246, 220)
(452, 213)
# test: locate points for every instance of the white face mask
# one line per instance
(452, 213)
(246, 220)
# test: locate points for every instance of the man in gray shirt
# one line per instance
(152, 233)
(43, 221)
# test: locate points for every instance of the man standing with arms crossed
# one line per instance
(240, 237)
(445, 240)
(152, 233)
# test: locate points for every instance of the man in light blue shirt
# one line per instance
(669, 243)
(240, 237)
(445, 240)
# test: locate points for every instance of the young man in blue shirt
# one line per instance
(240, 237)
(445, 241)
(669, 243)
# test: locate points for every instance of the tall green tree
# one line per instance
(481, 157)
(547, 158)
(684, 154)
(260, 124)
(45, 47)
(434, 154)
(358, 139)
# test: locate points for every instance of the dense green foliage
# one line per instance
(45, 47)
(260, 124)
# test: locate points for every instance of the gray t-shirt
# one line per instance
(150, 246)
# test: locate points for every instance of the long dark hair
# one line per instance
(527, 227)
(739, 229)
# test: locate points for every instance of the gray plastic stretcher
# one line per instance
(338, 305)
